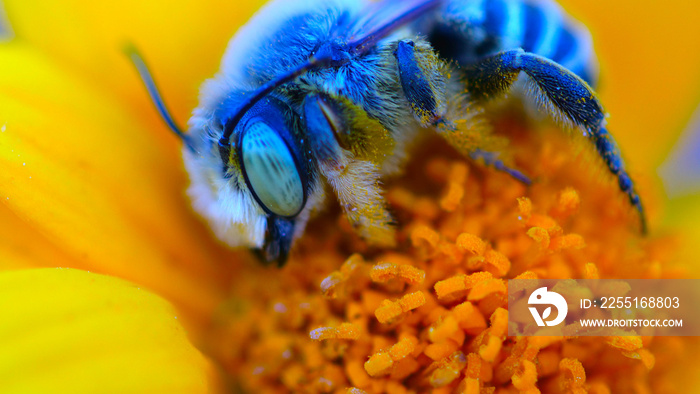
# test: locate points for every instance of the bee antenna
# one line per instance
(147, 79)
(325, 56)
(250, 101)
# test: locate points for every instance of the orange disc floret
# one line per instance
(356, 374)
(425, 236)
(499, 323)
(443, 329)
(524, 208)
(473, 380)
(440, 350)
(405, 368)
(627, 343)
(527, 275)
(469, 317)
(403, 348)
(330, 285)
(389, 311)
(451, 251)
(574, 376)
(567, 204)
(344, 331)
(573, 241)
(336, 284)
(544, 221)
(644, 355)
(457, 285)
(489, 351)
(453, 197)
(525, 377)
(378, 364)
(381, 362)
(455, 189)
(471, 243)
(497, 262)
(448, 332)
(383, 272)
(590, 271)
(474, 365)
(541, 236)
(447, 370)
(488, 287)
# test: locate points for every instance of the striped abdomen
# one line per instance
(468, 30)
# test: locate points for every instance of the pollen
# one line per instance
(471, 243)
(526, 376)
(574, 376)
(389, 311)
(384, 272)
(430, 314)
(382, 361)
(453, 287)
(344, 331)
(425, 236)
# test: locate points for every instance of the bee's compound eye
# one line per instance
(270, 170)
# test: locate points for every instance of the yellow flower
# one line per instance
(92, 180)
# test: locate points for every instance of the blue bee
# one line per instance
(328, 95)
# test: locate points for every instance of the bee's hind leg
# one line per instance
(562, 94)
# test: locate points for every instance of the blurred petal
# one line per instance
(683, 216)
(681, 176)
(84, 173)
(5, 27)
(650, 70)
(74, 331)
(681, 171)
(22, 247)
(183, 42)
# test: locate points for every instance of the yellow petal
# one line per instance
(683, 216)
(73, 331)
(681, 170)
(84, 173)
(22, 247)
(649, 75)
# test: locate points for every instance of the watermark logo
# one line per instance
(543, 297)
(603, 307)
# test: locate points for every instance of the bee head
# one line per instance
(252, 172)
(256, 194)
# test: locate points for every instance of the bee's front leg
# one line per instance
(421, 74)
(355, 180)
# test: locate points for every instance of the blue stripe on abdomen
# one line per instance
(495, 17)
(535, 20)
(566, 45)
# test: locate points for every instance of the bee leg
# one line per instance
(355, 182)
(423, 84)
(562, 94)
(424, 88)
(491, 159)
